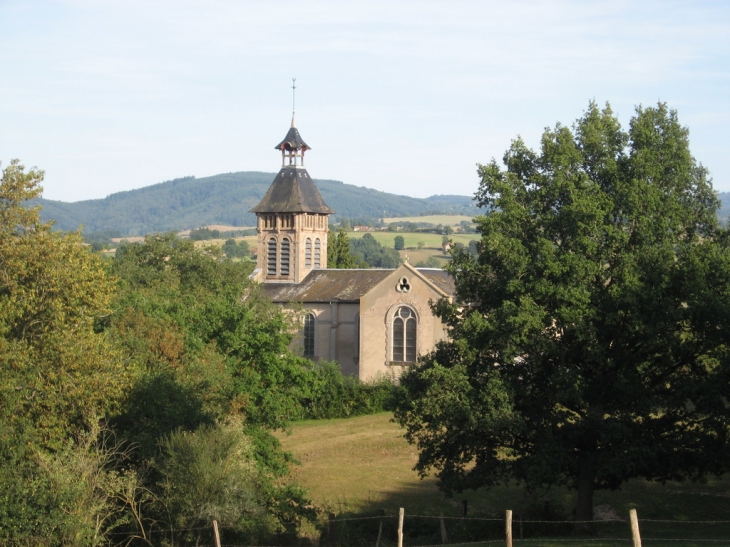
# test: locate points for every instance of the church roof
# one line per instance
(342, 285)
(292, 191)
(293, 140)
(440, 278)
(327, 286)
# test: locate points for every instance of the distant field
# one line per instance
(411, 239)
(451, 220)
(431, 243)
(130, 239)
(361, 465)
(220, 228)
(415, 256)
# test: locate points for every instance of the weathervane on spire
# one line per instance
(293, 98)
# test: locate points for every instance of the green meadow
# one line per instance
(360, 466)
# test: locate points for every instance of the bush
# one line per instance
(331, 394)
(213, 473)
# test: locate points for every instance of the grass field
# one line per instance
(358, 466)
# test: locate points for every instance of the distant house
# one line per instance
(370, 321)
(363, 229)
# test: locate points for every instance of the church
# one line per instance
(371, 321)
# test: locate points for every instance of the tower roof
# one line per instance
(293, 140)
(293, 191)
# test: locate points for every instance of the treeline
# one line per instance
(204, 234)
(226, 199)
(138, 395)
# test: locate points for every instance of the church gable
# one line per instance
(396, 312)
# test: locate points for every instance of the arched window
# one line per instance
(404, 335)
(317, 253)
(309, 335)
(285, 248)
(308, 253)
(271, 257)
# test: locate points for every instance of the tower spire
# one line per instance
(293, 100)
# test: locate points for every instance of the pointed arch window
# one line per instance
(317, 253)
(285, 253)
(404, 335)
(309, 335)
(271, 257)
(308, 253)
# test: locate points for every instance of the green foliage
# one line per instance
(191, 318)
(430, 262)
(211, 474)
(400, 243)
(593, 347)
(338, 251)
(233, 249)
(202, 234)
(466, 227)
(210, 348)
(56, 371)
(333, 395)
(368, 251)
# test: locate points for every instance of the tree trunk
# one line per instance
(587, 471)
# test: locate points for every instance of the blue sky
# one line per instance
(401, 96)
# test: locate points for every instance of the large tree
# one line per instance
(589, 344)
(58, 375)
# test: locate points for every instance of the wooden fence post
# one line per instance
(380, 528)
(508, 528)
(444, 536)
(635, 528)
(216, 534)
(400, 527)
(331, 530)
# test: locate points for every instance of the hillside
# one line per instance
(226, 199)
(190, 202)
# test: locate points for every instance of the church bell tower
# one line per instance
(292, 219)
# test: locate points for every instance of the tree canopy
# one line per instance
(589, 344)
(339, 254)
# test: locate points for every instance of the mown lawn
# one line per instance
(360, 466)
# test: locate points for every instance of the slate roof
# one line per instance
(338, 285)
(293, 141)
(440, 278)
(327, 286)
(292, 191)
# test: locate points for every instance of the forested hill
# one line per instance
(226, 199)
